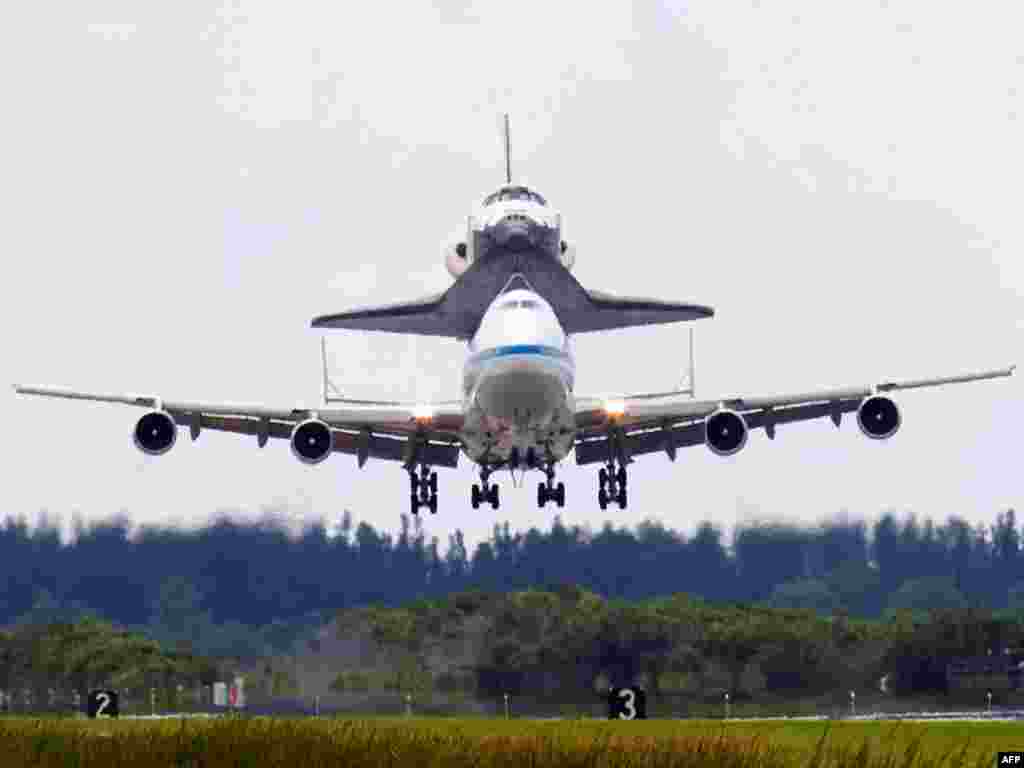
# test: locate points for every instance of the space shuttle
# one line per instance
(513, 239)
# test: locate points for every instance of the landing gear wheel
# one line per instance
(602, 498)
(476, 497)
(415, 503)
(433, 504)
(620, 477)
(560, 495)
(433, 483)
(542, 495)
(492, 496)
(602, 477)
(622, 499)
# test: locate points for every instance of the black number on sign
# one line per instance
(102, 704)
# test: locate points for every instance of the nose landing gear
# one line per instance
(548, 491)
(611, 485)
(423, 489)
(488, 493)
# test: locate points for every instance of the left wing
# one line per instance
(427, 433)
(620, 428)
(607, 312)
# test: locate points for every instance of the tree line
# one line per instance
(568, 642)
(250, 587)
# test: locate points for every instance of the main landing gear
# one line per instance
(611, 484)
(547, 491)
(488, 493)
(424, 489)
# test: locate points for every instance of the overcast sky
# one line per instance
(187, 188)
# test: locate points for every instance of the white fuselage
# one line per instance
(518, 383)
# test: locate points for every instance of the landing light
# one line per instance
(615, 408)
(423, 414)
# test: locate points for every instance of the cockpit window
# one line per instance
(521, 304)
(515, 193)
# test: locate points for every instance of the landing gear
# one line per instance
(548, 491)
(423, 491)
(611, 483)
(488, 492)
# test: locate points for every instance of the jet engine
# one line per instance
(155, 433)
(725, 432)
(878, 417)
(312, 441)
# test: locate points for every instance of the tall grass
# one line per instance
(311, 743)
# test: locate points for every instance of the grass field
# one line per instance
(305, 743)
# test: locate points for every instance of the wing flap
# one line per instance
(376, 446)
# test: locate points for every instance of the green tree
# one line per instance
(809, 594)
(919, 596)
(1015, 598)
(177, 615)
(858, 587)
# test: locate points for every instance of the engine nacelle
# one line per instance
(456, 258)
(878, 417)
(155, 433)
(725, 432)
(312, 441)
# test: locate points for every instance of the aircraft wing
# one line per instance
(606, 311)
(420, 316)
(621, 428)
(369, 429)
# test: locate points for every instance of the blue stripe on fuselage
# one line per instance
(518, 349)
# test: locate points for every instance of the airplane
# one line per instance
(513, 231)
(516, 303)
(518, 411)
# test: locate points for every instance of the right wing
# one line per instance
(420, 316)
(367, 429)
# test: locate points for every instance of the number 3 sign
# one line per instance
(627, 704)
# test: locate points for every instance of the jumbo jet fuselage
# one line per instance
(518, 384)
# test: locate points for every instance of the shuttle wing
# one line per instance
(380, 430)
(624, 427)
(457, 312)
(607, 312)
(425, 316)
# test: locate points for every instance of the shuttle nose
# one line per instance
(515, 232)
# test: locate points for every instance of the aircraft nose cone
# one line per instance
(515, 232)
